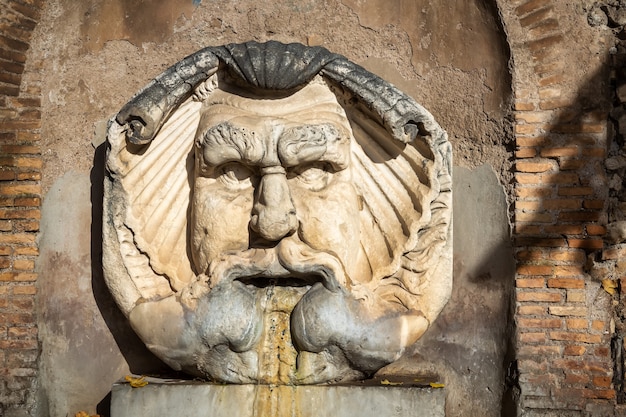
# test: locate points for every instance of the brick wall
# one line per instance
(20, 173)
(563, 314)
(565, 358)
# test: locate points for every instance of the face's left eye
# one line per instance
(235, 176)
(315, 176)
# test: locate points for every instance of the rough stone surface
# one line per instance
(175, 399)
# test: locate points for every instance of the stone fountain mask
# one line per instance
(277, 214)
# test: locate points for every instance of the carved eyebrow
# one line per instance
(308, 143)
(226, 142)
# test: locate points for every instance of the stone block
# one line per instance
(177, 398)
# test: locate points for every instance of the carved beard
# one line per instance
(337, 335)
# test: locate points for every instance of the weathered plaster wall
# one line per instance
(96, 55)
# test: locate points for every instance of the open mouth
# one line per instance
(288, 281)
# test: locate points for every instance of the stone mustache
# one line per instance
(277, 214)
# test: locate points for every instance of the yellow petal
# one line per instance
(609, 285)
(388, 382)
(136, 382)
(436, 385)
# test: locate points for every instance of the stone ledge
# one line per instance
(178, 398)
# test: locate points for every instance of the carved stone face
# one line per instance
(275, 169)
(262, 237)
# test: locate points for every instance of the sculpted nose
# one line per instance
(273, 213)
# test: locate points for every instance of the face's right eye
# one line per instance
(235, 175)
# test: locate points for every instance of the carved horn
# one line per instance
(147, 111)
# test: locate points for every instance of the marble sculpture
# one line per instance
(277, 214)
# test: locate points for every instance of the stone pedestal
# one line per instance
(180, 398)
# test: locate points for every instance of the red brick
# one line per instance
(552, 66)
(538, 296)
(18, 344)
(556, 152)
(22, 332)
(571, 378)
(534, 270)
(566, 164)
(602, 381)
(533, 166)
(9, 91)
(542, 350)
(20, 214)
(24, 290)
(566, 283)
(530, 310)
(576, 337)
(34, 102)
(598, 325)
(593, 204)
(606, 394)
(576, 296)
(551, 80)
(531, 6)
(534, 217)
(594, 152)
(22, 303)
(543, 43)
(533, 192)
(528, 205)
(24, 136)
(18, 318)
(19, 238)
(536, 364)
(531, 255)
(18, 124)
(29, 176)
(543, 29)
(530, 283)
(560, 178)
(26, 226)
(574, 350)
(524, 106)
(532, 337)
(535, 141)
(585, 243)
(27, 250)
(18, 276)
(562, 203)
(539, 323)
(541, 242)
(565, 229)
(527, 229)
(595, 230)
(568, 270)
(27, 202)
(6, 174)
(19, 149)
(602, 351)
(5, 262)
(525, 129)
(13, 44)
(568, 311)
(19, 189)
(23, 264)
(526, 153)
(575, 191)
(577, 324)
